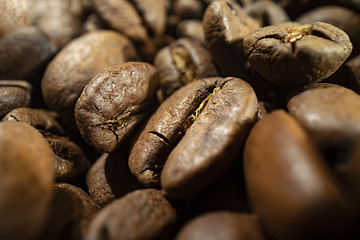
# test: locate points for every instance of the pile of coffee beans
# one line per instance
(179, 119)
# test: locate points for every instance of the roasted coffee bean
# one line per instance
(290, 186)
(346, 19)
(114, 102)
(222, 225)
(26, 181)
(71, 211)
(225, 26)
(180, 63)
(191, 29)
(110, 178)
(267, 13)
(330, 114)
(70, 161)
(214, 115)
(142, 214)
(142, 21)
(293, 54)
(14, 94)
(77, 63)
(24, 51)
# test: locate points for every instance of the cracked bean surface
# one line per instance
(194, 135)
(293, 54)
(113, 103)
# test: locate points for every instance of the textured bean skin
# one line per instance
(224, 110)
(113, 103)
(77, 63)
(291, 54)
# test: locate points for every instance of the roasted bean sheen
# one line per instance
(293, 54)
(114, 102)
(196, 134)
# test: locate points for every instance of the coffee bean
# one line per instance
(70, 213)
(225, 25)
(114, 102)
(331, 115)
(27, 47)
(75, 65)
(142, 214)
(267, 13)
(110, 178)
(222, 225)
(14, 94)
(215, 115)
(180, 63)
(26, 180)
(293, 54)
(289, 184)
(70, 161)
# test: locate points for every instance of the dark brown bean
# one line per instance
(76, 64)
(215, 115)
(114, 102)
(293, 54)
